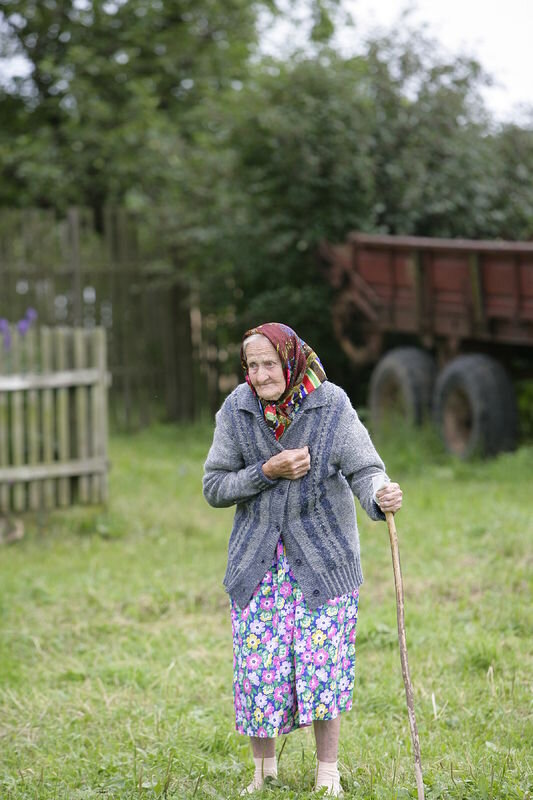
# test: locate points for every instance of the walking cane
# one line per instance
(398, 582)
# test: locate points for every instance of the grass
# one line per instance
(115, 661)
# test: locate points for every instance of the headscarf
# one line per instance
(303, 374)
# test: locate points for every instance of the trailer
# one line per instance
(446, 324)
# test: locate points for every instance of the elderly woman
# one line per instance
(289, 452)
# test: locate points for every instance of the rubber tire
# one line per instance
(482, 384)
(408, 373)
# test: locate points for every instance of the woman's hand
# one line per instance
(389, 497)
(291, 464)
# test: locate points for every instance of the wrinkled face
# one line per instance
(264, 369)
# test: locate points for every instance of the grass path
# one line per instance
(115, 650)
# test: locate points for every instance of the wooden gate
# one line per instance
(53, 417)
(115, 270)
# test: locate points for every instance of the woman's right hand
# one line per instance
(291, 464)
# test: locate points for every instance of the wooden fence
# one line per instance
(118, 270)
(53, 417)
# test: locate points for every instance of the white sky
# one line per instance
(498, 34)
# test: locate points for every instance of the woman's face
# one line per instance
(264, 369)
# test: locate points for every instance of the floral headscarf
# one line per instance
(303, 374)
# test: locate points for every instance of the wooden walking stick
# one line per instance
(398, 582)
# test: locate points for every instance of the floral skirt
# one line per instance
(291, 664)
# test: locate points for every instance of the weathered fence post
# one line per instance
(82, 433)
(62, 423)
(73, 221)
(17, 425)
(4, 437)
(32, 421)
(99, 421)
(53, 418)
(47, 411)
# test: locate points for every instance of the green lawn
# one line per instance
(115, 661)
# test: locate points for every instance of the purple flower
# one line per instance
(23, 326)
(285, 669)
(332, 633)
(326, 696)
(257, 626)
(253, 661)
(31, 314)
(320, 657)
(7, 339)
(313, 682)
(4, 325)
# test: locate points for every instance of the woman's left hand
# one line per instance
(389, 497)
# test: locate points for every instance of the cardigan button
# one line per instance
(298, 562)
(316, 591)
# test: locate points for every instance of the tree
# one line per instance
(513, 202)
(103, 109)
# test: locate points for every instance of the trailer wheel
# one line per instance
(475, 407)
(401, 385)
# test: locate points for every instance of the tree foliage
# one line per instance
(104, 105)
(258, 158)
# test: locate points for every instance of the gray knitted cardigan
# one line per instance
(314, 514)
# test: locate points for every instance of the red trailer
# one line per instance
(463, 311)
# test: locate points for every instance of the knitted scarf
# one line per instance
(303, 374)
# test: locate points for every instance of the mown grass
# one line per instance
(115, 663)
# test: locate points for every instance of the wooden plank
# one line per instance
(47, 417)
(99, 418)
(17, 423)
(476, 291)
(124, 333)
(94, 420)
(55, 469)
(384, 241)
(81, 412)
(73, 222)
(114, 293)
(32, 420)
(51, 380)
(4, 432)
(516, 288)
(62, 417)
(417, 276)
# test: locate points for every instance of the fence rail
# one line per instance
(53, 418)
